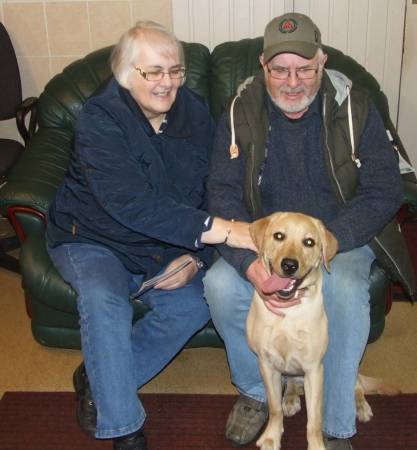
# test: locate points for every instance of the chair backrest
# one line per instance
(10, 84)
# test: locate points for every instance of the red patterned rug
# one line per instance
(46, 421)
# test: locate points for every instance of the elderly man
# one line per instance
(298, 137)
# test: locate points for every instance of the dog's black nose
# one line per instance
(289, 266)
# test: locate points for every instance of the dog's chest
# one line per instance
(291, 344)
(286, 352)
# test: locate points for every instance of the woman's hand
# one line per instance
(238, 236)
(182, 277)
(234, 234)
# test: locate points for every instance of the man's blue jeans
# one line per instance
(120, 357)
(346, 299)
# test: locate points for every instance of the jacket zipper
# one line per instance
(328, 151)
(343, 198)
(252, 162)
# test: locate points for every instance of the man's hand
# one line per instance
(257, 275)
(182, 277)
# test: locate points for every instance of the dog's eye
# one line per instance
(308, 242)
(278, 236)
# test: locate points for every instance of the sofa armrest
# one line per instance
(41, 280)
(33, 181)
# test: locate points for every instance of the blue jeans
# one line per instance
(346, 300)
(120, 356)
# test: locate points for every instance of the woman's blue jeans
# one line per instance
(346, 300)
(120, 356)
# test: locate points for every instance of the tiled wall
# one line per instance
(48, 35)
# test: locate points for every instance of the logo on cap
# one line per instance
(288, 26)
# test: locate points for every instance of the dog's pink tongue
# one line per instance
(275, 283)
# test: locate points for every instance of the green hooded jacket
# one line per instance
(249, 122)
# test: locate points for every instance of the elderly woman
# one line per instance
(133, 205)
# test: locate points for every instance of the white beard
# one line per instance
(302, 104)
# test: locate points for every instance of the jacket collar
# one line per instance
(177, 121)
(337, 84)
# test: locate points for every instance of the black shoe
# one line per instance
(86, 409)
(133, 441)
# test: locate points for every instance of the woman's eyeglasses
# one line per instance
(157, 75)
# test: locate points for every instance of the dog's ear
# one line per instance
(329, 246)
(258, 230)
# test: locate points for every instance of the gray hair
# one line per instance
(125, 54)
(320, 54)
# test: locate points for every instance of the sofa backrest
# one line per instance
(215, 76)
(233, 62)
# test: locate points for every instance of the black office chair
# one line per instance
(11, 106)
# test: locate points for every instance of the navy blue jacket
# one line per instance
(140, 193)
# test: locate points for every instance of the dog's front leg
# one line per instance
(313, 389)
(271, 437)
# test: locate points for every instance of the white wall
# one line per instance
(407, 118)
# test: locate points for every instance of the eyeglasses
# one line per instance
(157, 75)
(302, 73)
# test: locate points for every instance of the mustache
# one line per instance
(293, 90)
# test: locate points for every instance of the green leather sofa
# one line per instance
(51, 303)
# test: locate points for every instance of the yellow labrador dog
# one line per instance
(293, 248)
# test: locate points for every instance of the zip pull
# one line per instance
(233, 149)
(356, 160)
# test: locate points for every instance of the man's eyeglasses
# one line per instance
(302, 73)
(157, 75)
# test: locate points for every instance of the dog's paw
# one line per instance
(364, 411)
(271, 437)
(291, 404)
(267, 443)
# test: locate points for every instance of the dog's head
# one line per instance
(292, 246)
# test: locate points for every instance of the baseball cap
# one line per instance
(291, 33)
